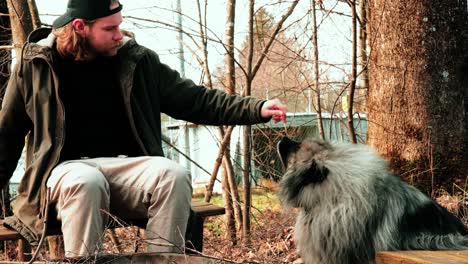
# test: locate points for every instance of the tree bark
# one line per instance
(231, 89)
(416, 109)
(316, 71)
(352, 86)
(5, 64)
(250, 75)
(21, 23)
(364, 74)
(229, 216)
(5, 54)
(226, 137)
(246, 134)
(233, 188)
(36, 22)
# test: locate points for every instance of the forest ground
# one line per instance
(271, 231)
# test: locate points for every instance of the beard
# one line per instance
(94, 51)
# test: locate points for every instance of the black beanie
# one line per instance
(86, 9)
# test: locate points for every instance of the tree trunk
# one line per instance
(36, 22)
(247, 187)
(252, 70)
(352, 87)
(233, 188)
(246, 134)
(364, 73)
(226, 139)
(21, 22)
(230, 89)
(316, 71)
(416, 109)
(229, 216)
(5, 54)
(5, 63)
(463, 76)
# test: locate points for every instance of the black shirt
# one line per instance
(96, 123)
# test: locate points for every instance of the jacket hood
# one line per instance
(42, 40)
(40, 43)
(42, 37)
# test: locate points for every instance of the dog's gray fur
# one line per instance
(351, 207)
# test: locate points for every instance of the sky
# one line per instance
(165, 41)
(160, 38)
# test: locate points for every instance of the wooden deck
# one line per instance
(422, 257)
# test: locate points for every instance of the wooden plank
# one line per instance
(198, 203)
(8, 234)
(422, 257)
(211, 210)
(205, 209)
(202, 209)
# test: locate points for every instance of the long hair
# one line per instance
(71, 44)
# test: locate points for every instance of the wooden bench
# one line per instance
(422, 257)
(194, 235)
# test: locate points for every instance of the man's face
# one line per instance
(104, 36)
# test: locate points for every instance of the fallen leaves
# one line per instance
(271, 240)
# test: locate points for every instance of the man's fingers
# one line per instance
(274, 109)
(279, 116)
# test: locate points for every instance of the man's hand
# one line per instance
(274, 109)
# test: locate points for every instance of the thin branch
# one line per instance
(270, 42)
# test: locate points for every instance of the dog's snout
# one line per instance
(283, 143)
(285, 147)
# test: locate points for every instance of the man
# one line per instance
(90, 100)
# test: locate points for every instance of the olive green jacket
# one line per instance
(32, 108)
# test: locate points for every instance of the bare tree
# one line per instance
(363, 46)
(5, 52)
(21, 22)
(230, 88)
(318, 101)
(250, 75)
(352, 87)
(36, 22)
(231, 194)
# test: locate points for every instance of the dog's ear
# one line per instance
(314, 174)
(317, 173)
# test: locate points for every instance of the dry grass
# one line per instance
(271, 240)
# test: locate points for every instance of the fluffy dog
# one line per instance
(351, 206)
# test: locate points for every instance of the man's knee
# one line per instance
(171, 170)
(173, 177)
(85, 179)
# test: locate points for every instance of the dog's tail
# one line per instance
(438, 242)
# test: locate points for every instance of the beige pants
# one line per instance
(86, 191)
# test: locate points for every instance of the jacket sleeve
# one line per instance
(13, 127)
(182, 99)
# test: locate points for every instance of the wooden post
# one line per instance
(24, 250)
(56, 250)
